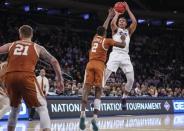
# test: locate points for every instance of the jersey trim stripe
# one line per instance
(103, 44)
(36, 49)
(11, 46)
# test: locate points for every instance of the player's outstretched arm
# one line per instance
(114, 26)
(120, 44)
(133, 25)
(5, 48)
(110, 42)
(45, 55)
(109, 17)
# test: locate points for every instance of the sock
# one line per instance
(83, 114)
(124, 95)
(95, 116)
(44, 117)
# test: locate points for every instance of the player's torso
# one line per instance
(97, 51)
(117, 37)
(22, 56)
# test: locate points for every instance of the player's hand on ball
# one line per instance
(123, 37)
(126, 6)
(117, 13)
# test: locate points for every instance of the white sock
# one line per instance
(83, 114)
(95, 116)
(124, 95)
(44, 117)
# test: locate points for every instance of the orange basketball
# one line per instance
(119, 7)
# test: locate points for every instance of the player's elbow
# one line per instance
(134, 22)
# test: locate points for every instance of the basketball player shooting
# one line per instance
(20, 79)
(119, 57)
(94, 72)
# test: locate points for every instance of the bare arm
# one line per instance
(114, 27)
(133, 25)
(109, 17)
(5, 48)
(44, 54)
(111, 42)
(121, 44)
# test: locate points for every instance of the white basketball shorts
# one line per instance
(121, 60)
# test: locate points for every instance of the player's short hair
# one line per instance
(26, 31)
(122, 16)
(101, 30)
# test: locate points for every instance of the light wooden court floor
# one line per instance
(115, 123)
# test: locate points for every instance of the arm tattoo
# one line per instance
(44, 54)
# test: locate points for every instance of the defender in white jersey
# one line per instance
(119, 57)
(4, 100)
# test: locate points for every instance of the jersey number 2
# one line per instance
(20, 50)
(95, 46)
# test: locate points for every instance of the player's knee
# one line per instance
(41, 109)
(97, 103)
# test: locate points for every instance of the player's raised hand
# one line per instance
(126, 6)
(111, 13)
(117, 13)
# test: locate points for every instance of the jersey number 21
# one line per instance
(21, 50)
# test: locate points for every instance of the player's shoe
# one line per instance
(94, 124)
(82, 125)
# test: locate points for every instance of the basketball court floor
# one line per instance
(115, 123)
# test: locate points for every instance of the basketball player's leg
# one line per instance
(112, 66)
(12, 120)
(4, 105)
(88, 81)
(97, 103)
(127, 68)
(33, 96)
(15, 101)
(99, 83)
(129, 84)
(14, 95)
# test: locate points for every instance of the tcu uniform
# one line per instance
(4, 100)
(119, 57)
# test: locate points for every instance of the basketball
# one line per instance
(119, 7)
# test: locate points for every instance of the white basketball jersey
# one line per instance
(117, 37)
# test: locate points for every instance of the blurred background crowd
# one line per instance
(156, 52)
